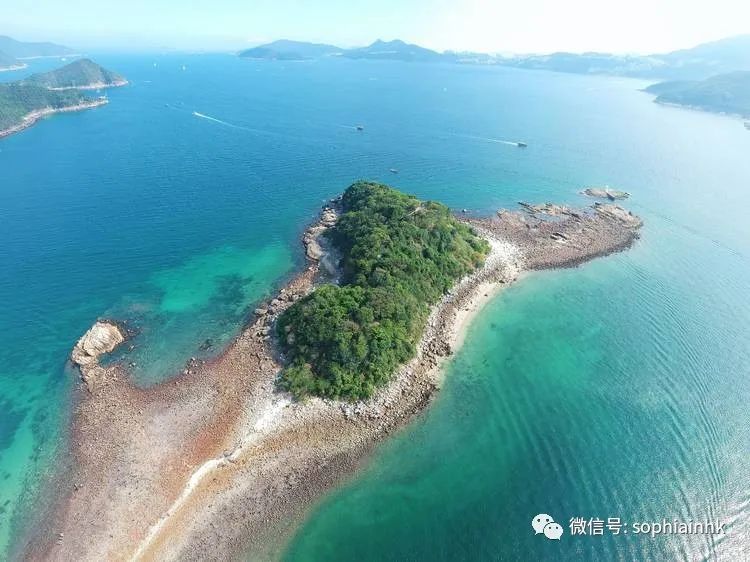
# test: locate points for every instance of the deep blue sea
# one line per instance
(616, 390)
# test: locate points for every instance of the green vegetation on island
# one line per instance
(81, 74)
(399, 256)
(725, 93)
(17, 100)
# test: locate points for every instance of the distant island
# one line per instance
(699, 62)
(397, 50)
(24, 102)
(286, 50)
(724, 93)
(13, 52)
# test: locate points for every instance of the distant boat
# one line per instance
(520, 144)
(747, 125)
(360, 127)
(393, 171)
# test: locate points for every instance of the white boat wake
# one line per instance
(487, 139)
(215, 120)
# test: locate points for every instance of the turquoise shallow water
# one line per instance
(619, 389)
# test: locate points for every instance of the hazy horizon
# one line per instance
(537, 26)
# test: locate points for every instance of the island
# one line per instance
(31, 50)
(13, 52)
(724, 93)
(286, 50)
(224, 459)
(397, 50)
(24, 102)
(82, 74)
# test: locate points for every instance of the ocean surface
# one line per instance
(616, 390)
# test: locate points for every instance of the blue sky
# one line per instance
(638, 26)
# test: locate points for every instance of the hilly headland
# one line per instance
(25, 102)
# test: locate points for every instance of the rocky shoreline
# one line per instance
(93, 86)
(217, 464)
(31, 118)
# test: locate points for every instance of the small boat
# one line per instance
(520, 144)
(360, 127)
(393, 171)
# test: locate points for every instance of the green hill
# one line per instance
(399, 255)
(725, 93)
(21, 49)
(80, 74)
(18, 99)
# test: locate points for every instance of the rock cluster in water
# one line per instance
(605, 193)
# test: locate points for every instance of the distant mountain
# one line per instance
(8, 62)
(387, 50)
(699, 62)
(696, 63)
(725, 93)
(82, 74)
(587, 63)
(285, 49)
(396, 50)
(21, 49)
(717, 57)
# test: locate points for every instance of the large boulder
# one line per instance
(102, 337)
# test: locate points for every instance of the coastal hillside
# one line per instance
(17, 100)
(285, 49)
(80, 74)
(24, 102)
(399, 255)
(23, 49)
(725, 93)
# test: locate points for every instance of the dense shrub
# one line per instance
(399, 256)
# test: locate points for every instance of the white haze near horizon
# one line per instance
(635, 26)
